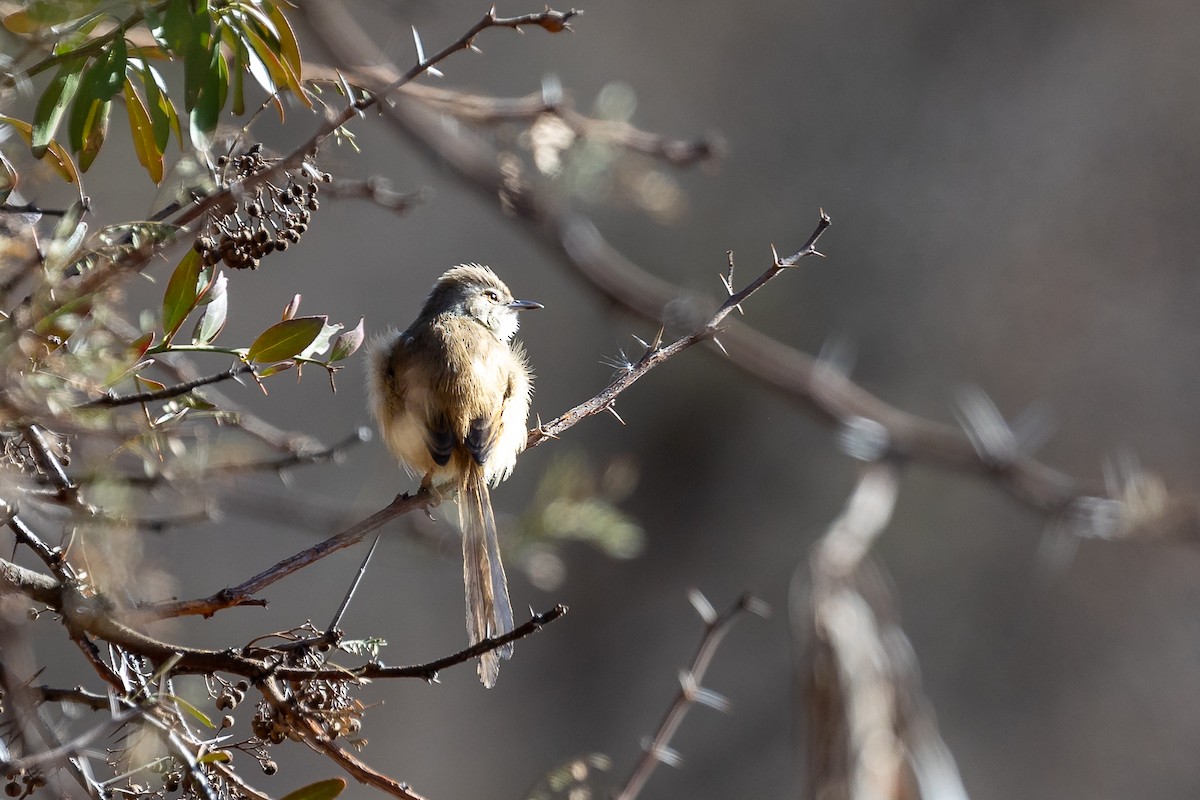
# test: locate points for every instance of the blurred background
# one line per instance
(1014, 194)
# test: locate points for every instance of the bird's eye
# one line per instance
(491, 295)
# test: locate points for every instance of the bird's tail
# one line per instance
(489, 612)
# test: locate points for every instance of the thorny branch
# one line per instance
(830, 396)
(111, 400)
(656, 353)
(658, 748)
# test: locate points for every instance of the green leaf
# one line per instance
(97, 130)
(197, 59)
(321, 790)
(222, 68)
(145, 145)
(259, 41)
(89, 114)
(175, 32)
(53, 103)
(183, 293)
(207, 109)
(215, 756)
(162, 111)
(286, 339)
(238, 71)
(215, 312)
(348, 343)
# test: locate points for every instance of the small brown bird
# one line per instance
(451, 394)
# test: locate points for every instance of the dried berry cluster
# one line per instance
(274, 218)
(22, 783)
(328, 702)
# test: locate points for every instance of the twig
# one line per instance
(295, 456)
(243, 593)
(320, 742)
(488, 110)
(72, 748)
(658, 748)
(49, 462)
(77, 696)
(656, 354)
(51, 557)
(375, 190)
(112, 400)
(358, 576)
(429, 671)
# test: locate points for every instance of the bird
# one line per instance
(451, 395)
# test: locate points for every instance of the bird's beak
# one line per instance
(524, 305)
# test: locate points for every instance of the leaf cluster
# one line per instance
(100, 56)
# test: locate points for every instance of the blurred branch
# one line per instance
(377, 191)
(831, 397)
(488, 110)
(658, 749)
(870, 733)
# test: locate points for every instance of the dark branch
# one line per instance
(112, 400)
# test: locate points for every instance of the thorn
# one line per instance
(817, 253)
(703, 607)
(610, 409)
(432, 70)
(662, 753)
(491, 14)
(717, 342)
(755, 605)
(775, 257)
(693, 692)
(658, 337)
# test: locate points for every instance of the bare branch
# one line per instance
(112, 400)
(656, 354)
(243, 593)
(658, 748)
